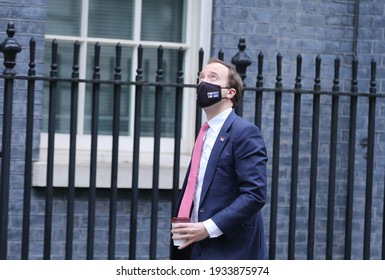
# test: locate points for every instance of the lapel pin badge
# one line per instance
(222, 138)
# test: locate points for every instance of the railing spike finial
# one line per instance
(10, 48)
(241, 60)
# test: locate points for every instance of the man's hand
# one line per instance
(191, 232)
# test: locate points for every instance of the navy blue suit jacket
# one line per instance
(233, 194)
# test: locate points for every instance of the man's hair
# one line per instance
(234, 80)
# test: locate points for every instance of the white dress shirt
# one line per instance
(211, 135)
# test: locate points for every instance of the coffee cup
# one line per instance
(177, 220)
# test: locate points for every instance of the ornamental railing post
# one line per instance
(9, 48)
(241, 61)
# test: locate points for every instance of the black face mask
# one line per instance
(208, 94)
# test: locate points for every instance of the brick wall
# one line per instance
(312, 28)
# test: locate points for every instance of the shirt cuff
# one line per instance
(212, 228)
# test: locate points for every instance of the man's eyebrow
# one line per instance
(211, 73)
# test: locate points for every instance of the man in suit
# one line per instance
(230, 191)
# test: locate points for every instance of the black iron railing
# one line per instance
(10, 48)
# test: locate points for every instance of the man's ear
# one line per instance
(231, 93)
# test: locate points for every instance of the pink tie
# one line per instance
(185, 206)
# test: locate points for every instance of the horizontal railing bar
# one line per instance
(175, 85)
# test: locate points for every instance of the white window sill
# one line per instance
(103, 173)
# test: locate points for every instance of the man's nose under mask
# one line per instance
(208, 94)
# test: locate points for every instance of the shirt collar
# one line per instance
(217, 122)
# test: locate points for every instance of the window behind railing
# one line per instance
(133, 22)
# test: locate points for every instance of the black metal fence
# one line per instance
(10, 48)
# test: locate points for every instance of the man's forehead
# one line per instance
(216, 67)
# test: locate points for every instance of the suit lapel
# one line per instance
(219, 144)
